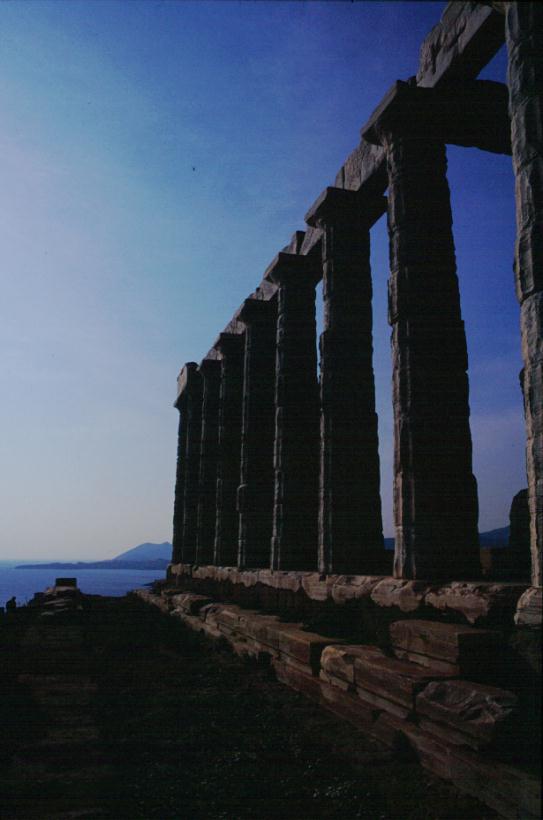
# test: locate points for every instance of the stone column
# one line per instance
(350, 523)
(255, 494)
(188, 456)
(210, 371)
(296, 450)
(524, 37)
(231, 348)
(435, 492)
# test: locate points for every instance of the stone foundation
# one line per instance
(409, 694)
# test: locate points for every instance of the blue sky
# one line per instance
(154, 158)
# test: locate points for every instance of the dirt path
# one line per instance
(117, 712)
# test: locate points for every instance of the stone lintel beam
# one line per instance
(462, 43)
(472, 113)
(337, 204)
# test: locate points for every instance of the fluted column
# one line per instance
(210, 371)
(435, 492)
(296, 451)
(524, 37)
(231, 348)
(255, 493)
(188, 458)
(350, 523)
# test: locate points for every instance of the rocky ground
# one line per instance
(110, 710)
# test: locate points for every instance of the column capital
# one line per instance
(229, 343)
(210, 367)
(466, 112)
(187, 379)
(340, 204)
(255, 311)
(290, 269)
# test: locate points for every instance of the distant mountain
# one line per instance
(144, 556)
(492, 538)
(146, 552)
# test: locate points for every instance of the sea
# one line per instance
(23, 583)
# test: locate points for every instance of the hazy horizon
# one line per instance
(155, 157)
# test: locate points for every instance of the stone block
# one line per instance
(485, 714)
(189, 602)
(338, 661)
(406, 595)
(332, 680)
(305, 647)
(451, 669)
(381, 703)
(391, 678)
(477, 602)
(529, 608)
(450, 643)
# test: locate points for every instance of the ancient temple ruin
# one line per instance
(277, 488)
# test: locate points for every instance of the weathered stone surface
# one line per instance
(485, 713)
(179, 501)
(530, 607)
(380, 703)
(447, 642)
(255, 493)
(332, 680)
(189, 602)
(350, 525)
(391, 678)
(338, 661)
(406, 595)
(524, 37)
(466, 38)
(231, 348)
(435, 495)
(210, 371)
(296, 453)
(349, 588)
(476, 602)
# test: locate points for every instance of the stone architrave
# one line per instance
(210, 370)
(524, 37)
(231, 348)
(350, 523)
(188, 452)
(296, 449)
(435, 491)
(255, 493)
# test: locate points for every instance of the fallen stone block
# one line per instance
(390, 678)
(484, 714)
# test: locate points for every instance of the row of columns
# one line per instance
(276, 469)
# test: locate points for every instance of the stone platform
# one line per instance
(411, 693)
